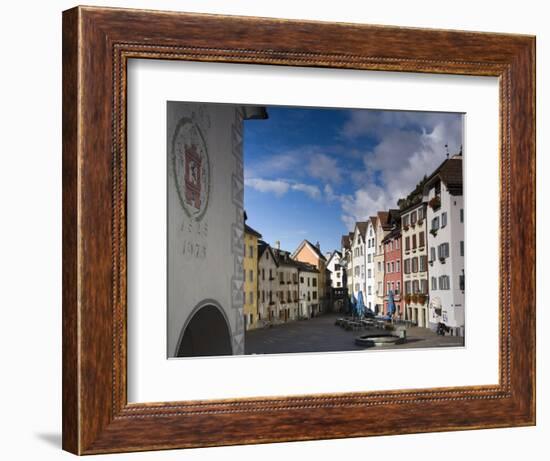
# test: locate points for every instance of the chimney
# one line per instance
(278, 244)
(318, 245)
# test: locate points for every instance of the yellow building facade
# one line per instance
(250, 288)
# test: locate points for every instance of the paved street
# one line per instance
(321, 335)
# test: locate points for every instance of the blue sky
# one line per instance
(311, 173)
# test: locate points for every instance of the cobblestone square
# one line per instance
(319, 334)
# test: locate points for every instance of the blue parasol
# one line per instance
(391, 303)
(360, 307)
(352, 301)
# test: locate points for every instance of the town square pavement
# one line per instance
(321, 335)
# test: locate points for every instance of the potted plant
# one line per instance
(408, 298)
(435, 202)
(422, 298)
(414, 298)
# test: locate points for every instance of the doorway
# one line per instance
(206, 334)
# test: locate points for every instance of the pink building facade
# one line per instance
(393, 278)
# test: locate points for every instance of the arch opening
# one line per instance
(206, 334)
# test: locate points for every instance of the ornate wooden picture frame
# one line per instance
(97, 44)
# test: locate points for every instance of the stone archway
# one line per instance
(207, 333)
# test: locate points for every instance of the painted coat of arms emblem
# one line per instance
(191, 168)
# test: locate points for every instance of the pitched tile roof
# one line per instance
(263, 247)
(249, 230)
(383, 216)
(394, 216)
(283, 257)
(335, 252)
(394, 220)
(394, 233)
(345, 241)
(305, 267)
(313, 247)
(450, 172)
(362, 226)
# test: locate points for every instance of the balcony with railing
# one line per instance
(416, 298)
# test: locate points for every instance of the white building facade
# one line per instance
(205, 207)
(347, 262)
(287, 286)
(308, 279)
(445, 215)
(370, 267)
(267, 284)
(358, 250)
(335, 266)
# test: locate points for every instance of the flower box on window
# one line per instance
(435, 202)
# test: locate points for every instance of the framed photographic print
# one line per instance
(279, 230)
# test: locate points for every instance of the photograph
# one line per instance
(313, 229)
(285, 226)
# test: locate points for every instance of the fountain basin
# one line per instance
(376, 340)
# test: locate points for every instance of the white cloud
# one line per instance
(409, 146)
(315, 162)
(363, 203)
(280, 187)
(329, 193)
(312, 191)
(274, 165)
(321, 166)
(378, 124)
(277, 187)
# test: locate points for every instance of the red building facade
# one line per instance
(393, 275)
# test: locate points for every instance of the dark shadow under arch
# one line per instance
(206, 334)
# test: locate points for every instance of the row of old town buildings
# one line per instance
(407, 262)
(281, 286)
(413, 256)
